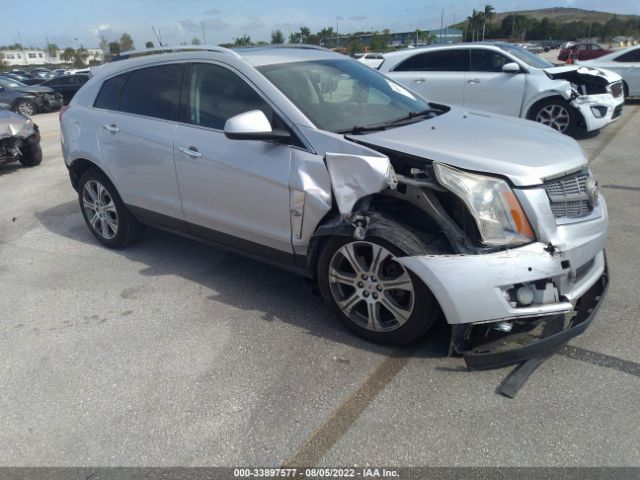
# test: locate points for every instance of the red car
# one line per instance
(585, 51)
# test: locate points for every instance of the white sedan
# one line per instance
(625, 63)
(505, 78)
(371, 59)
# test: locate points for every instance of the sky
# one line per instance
(81, 22)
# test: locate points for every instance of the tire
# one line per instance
(31, 155)
(26, 108)
(625, 89)
(356, 299)
(556, 113)
(104, 212)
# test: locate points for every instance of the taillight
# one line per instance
(63, 109)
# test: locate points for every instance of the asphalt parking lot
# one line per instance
(175, 353)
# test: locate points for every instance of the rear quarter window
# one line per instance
(109, 95)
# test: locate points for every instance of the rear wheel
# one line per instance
(104, 212)
(372, 294)
(557, 114)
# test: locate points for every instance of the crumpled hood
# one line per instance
(562, 71)
(12, 123)
(524, 151)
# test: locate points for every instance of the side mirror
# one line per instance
(511, 67)
(253, 125)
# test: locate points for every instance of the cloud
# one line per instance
(358, 18)
(213, 11)
(254, 23)
(196, 27)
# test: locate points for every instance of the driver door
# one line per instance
(490, 89)
(234, 192)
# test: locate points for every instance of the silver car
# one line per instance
(402, 211)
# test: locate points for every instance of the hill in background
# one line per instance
(566, 15)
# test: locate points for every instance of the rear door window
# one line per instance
(449, 60)
(153, 91)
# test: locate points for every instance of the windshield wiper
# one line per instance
(364, 128)
(406, 119)
(412, 115)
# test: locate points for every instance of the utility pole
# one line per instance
(337, 34)
(24, 55)
(441, 24)
(204, 37)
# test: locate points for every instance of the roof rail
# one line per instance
(179, 48)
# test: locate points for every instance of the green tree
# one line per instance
(114, 48)
(243, 41)
(277, 37)
(68, 55)
(52, 49)
(195, 41)
(126, 42)
(80, 57)
(326, 36)
(488, 14)
(149, 45)
(305, 34)
(354, 45)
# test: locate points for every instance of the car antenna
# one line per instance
(157, 36)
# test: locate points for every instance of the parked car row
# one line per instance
(398, 208)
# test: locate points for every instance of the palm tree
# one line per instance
(277, 36)
(489, 13)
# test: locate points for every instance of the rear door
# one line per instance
(488, 88)
(437, 75)
(136, 138)
(234, 192)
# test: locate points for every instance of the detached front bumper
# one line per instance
(599, 111)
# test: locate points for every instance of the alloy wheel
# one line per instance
(100, 209)
(26, 109)
(555, 116)
(370, 287)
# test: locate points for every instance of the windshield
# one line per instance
(338, 95)
(527, 57)
(6, 83)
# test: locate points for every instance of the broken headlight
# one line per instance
(493, 205)
(26, 130)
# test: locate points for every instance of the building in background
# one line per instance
(32, 57)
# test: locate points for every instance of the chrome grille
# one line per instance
(568, 195)
(616, 89)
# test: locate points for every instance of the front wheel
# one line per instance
(557, 114)
(372, 294)
(31, 156)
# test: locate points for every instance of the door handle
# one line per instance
(473, 81)
(191, 151)
(419, 80)
(111, 128)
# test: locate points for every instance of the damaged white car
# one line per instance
(19, 139)
(505, 78)
(402, 211)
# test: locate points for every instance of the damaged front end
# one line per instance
(510, 298)
(16, 133)
(597, 94)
